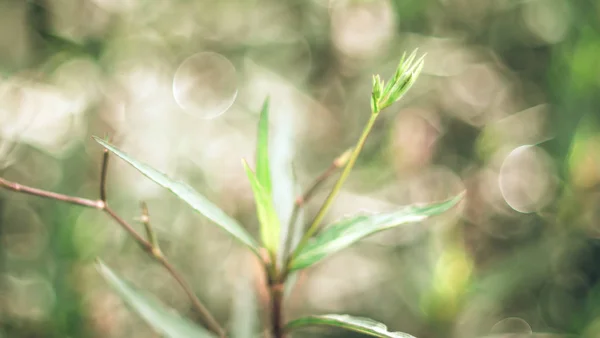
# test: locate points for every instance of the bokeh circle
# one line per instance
(205, 85)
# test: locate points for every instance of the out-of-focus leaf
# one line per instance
(282, 149)
(269, 223)
(162, 319)
(197, 201)
(584, 158)
(344, 233)
(357, 324)
(245, 315)
(295, 231)
(263, 172)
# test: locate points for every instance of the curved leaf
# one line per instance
(162, 319)
(269, 222)
(188, 195)
(344, 233)
(357, 324)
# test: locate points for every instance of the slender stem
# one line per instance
(338, 185)
(148, 246)
(155, 252)
(52, 195)
(103, 174)
(145, 220)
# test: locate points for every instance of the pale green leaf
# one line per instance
(269, 222)
(263, 172)
(162, 319)
(197, 201)
(357, 324)
(282, 140)
(344, 233)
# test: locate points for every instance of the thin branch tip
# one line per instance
(103, 174)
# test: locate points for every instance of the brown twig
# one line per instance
(103, 174)
(160, 257)
(147, 245)
(52, 195)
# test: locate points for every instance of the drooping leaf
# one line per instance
(344, 233)
(197, 201)
(269, 223)
(263, 172)
(357, 324)
(162, 319)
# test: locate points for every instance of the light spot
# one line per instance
(205, 85)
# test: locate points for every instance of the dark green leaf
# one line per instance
(342, 234)
(262, 148)
(190, 196)
(357, 324)
(269, 222)
(162, 319)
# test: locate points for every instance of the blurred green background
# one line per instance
(507, 107)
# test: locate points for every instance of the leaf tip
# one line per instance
(267, 101)
(100, 266)
(245, 164)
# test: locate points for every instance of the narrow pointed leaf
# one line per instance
(197, 201)
(357, 324)
(162, 319)
(269, 222)
(262, 148)
(344, 233)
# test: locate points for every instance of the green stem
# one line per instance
(338, 185)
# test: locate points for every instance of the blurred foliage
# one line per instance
(506, 107)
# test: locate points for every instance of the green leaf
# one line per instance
(262, 148)
(344, 233)
(197, 201)
(269, 222)
(357, 324)
(162, 319)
